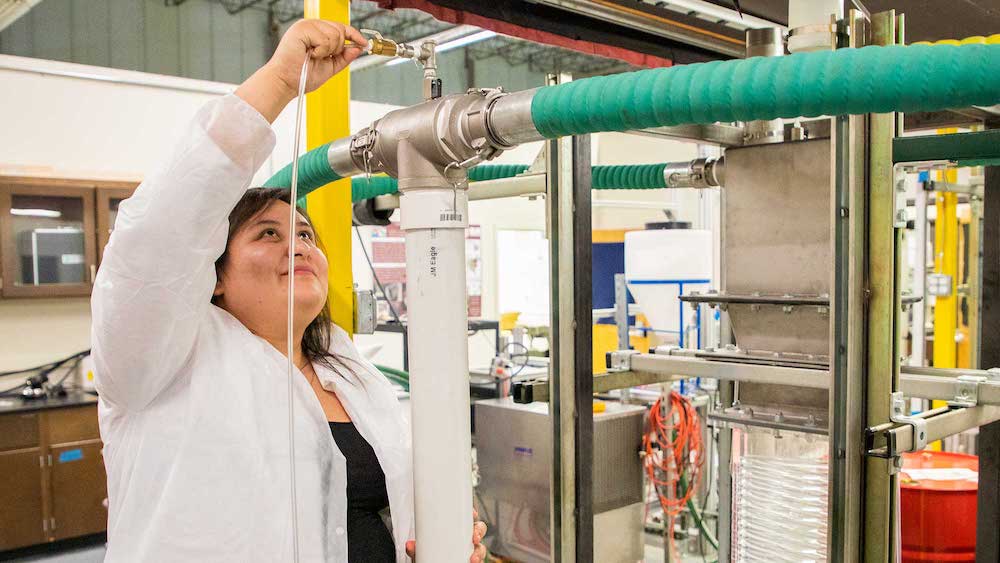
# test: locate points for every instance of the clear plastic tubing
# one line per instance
(290, 344)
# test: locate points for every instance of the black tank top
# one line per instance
(368, 538)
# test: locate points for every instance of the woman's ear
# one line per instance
(219, 289)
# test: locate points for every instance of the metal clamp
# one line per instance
(967, 390)
(365, 311)
(620, 359)
(919, 425)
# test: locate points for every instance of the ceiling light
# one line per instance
(36, 212)
(453, 44)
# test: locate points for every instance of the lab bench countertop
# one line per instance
(11, 405)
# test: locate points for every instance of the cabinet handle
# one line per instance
(53, 519)
(93, 273)
(45, 525)
(50, 460)
(41, 461)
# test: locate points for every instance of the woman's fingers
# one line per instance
(411, 549)
(478, 532)
(355, 36)
(478, 554)
(313, 38)
(334, 38)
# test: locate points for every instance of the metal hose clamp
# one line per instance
(919, 425)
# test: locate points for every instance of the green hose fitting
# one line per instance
(314, 172)
(845, 81)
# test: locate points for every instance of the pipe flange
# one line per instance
(493, 95)
(363, 147)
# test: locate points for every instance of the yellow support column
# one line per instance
(328, 118)
(946, 263)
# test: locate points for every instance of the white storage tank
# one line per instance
(663, 262)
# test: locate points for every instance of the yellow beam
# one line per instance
(946, 263)
(328, 118)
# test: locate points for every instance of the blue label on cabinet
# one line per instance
(70, 455)
(522, 451)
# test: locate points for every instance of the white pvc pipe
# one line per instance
(434, 222)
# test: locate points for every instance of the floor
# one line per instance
(95, 554)
(89, 554)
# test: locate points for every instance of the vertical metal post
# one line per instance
(727, 393)
(988, 498)
(847, 318)
(571, 377)
(621, 312)
(882, 264)
(918, 331)
(974, 296)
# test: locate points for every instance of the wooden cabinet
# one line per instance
(108, 199)
(22, 518)
(52, 232)
(52, 478)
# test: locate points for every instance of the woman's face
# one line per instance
(253, 284)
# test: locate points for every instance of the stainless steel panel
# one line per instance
(514, 454)
(777, 224)
(618, 534)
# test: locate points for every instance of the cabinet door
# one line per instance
(47, 232)
(21, 516)
(79, 487)
(108, 199)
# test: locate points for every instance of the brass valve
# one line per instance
(378, 45)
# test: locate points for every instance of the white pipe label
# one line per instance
(434, 209)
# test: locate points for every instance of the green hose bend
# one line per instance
(397, 376)
(314, 172)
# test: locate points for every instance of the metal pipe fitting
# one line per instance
(764, 42)
(430, 145)
(510, 122)
(340, 159)
(698, 173)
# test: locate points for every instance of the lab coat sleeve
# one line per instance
(153, 291)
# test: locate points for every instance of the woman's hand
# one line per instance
(276, 83)
(478, 533)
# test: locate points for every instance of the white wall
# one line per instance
(623, 148)
(106, 124)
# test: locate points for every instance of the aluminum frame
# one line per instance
(571, 366)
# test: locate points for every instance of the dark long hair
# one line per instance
(316, 339)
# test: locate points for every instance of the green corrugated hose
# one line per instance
(314, 172)
(846, 81)
(623, 177)
(397, 376)
(495, 171)
(368, 187)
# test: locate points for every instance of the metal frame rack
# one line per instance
(868, 430)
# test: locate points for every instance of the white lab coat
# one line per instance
(193, 408)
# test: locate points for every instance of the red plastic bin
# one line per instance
(938, 504)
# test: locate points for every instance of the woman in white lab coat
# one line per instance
(189, 329)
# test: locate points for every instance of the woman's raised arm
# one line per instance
(158, 273)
